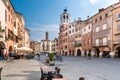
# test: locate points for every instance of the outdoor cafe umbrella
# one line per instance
(24, 49)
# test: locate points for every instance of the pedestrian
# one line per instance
(89, 54)
(81, 78)
(10, 54)
(6, 56)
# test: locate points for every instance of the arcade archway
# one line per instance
(97, 52)
(118, 51)
(106, 52)
(10, 49)
(78, 52)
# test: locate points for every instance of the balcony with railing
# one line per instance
(116, 41)
(10, 35)
(101, 44)
(78, 44)
(117, 32)
(2, 33)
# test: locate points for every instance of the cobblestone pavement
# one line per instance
(71, 68)
(91, 69)
(20, 70)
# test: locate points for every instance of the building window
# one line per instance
(9, 7)
(66, 33)
(11, 21)
(106, 15)
(84, 29)
(118, 16)
(63, 16)
(97, 29)
(95, 20)
(89, 41)
(9, 17)
(118, 27)
(79, 34)
(104, 26)
(89, 27)
(69, 32)
(97, 42)
(100, 17)
(67, 16)
(66, 47)
(118, 37)
(72, 30)
(15, 24)
(5, 16)
(105, 41)
(76, 29)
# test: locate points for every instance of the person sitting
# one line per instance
(56, 68)
(47, 61)
(81, 78)
(58, 75)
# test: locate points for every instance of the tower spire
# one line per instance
(46, 35)
(65, 16)
(65, 10)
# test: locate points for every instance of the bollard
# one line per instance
(0, 72)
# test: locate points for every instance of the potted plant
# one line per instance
(2, 30)
(51, 58)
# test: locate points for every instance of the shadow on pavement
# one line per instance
(29, 75)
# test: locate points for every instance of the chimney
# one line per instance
(101, 9)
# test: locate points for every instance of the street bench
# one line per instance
(46, 73)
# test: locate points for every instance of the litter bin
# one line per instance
(0, 72)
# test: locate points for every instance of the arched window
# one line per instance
(67, 16)
(63, 16)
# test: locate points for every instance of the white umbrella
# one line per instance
(24, 49)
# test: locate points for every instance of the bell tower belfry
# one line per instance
(65, 17)
(46, 35)
(63, 29)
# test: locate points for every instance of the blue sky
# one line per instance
(44, 15)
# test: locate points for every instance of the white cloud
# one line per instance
(103, 1)
(111, 1)
(114, 1)
(45, 28)
(93, 1)
(38, 31)
(107, 3)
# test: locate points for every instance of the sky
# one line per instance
(43, 16)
